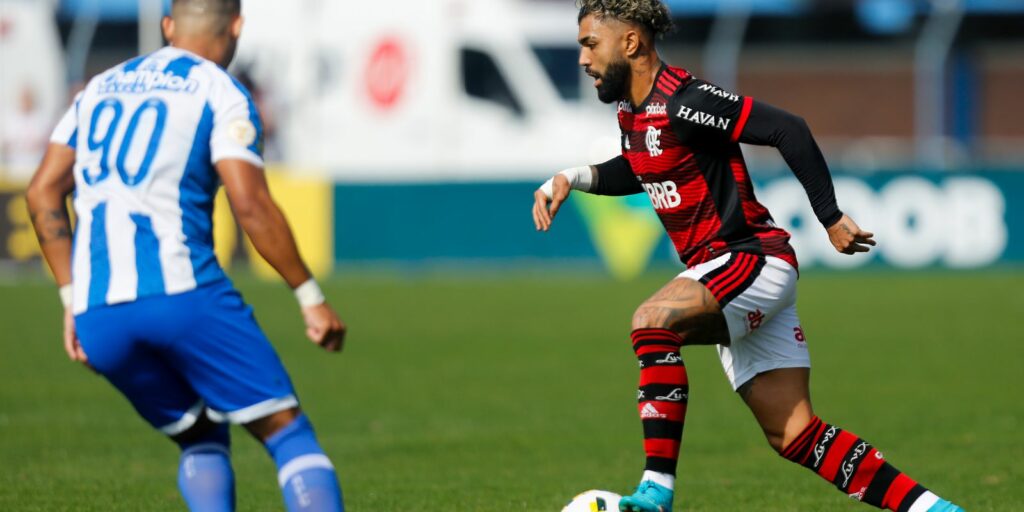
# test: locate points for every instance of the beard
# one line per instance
(614, 82)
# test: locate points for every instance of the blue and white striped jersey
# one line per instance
(146, 135)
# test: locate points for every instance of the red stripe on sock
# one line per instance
(662, 336)
(665, 448)
(866, 472)
(835, 454)
(897, 491)
(671, 375)
(801, 439)
(817, 437)
(651, 349)
(655, 335)
(650, 330)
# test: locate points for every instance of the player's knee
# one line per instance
(650, 317)
(269, 425)
(203, 431)
(776, 439)
(779, 438)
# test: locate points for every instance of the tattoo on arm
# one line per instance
(51, 225)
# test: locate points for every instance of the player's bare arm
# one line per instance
(265, 224)
(47, 196)
(48, 210)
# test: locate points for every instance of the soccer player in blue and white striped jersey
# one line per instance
(144, 148)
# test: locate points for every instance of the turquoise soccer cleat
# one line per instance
(944, 506)
(649, 497)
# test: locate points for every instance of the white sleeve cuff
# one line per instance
(237, 154)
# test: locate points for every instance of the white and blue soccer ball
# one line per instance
(594, 501)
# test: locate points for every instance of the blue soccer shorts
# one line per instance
(176, 357)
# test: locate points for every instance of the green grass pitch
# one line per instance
(514, 393)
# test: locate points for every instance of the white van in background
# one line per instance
(426, 90)
(33, 91)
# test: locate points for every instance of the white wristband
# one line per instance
(309, 294)
(65, 295)
(548, 188)
(580, 178)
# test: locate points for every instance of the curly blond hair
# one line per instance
(652, 15)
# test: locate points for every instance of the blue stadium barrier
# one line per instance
(921, 220)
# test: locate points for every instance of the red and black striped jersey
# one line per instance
(682, 143)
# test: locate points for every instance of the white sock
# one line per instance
(924, 502)
(663, 479)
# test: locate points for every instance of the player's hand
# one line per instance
(323, 327)
(71, 344)
(848, 238)
(543, 214)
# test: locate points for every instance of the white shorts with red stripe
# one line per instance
(758, 297)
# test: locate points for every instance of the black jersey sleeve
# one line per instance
(615, 178)
(706, 116)
(770, 126)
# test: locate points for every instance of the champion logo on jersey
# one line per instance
(146, 80)
(653, 141)
(649, 411)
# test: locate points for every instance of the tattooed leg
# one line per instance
(682, 312)
(687, 308)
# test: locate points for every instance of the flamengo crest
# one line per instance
(653, 141)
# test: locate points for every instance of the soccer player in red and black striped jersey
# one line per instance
(681, 145)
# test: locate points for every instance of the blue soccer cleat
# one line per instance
(944, 506)
(649, 497)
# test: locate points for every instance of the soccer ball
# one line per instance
(594, 501)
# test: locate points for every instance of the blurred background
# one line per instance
(413, 132)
